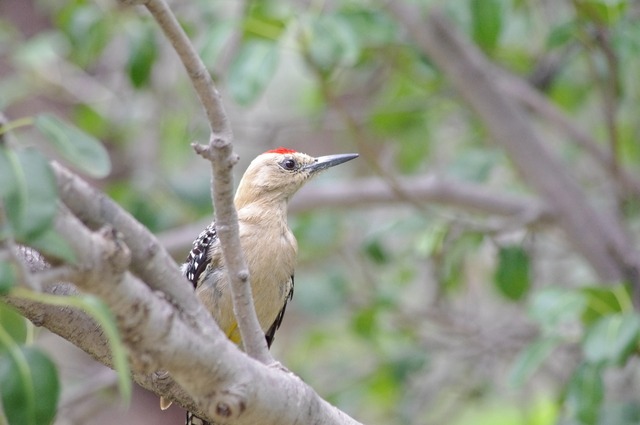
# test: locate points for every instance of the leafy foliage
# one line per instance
(81, 150)
(29, 383)
(30, 386)
(404, 314)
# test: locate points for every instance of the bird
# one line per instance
(269, 246)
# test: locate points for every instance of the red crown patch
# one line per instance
(281, 150)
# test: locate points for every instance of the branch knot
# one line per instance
(219, 142)
(228, 405)
(116, 252)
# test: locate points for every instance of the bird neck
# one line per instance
(263, 211)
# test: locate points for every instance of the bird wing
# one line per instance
(271, 332)
(200, 254)
(196, 265)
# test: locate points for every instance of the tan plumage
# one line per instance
(269, 246)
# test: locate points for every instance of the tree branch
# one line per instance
(80, 329)
(253, 339)
(521, 91)
(228, 386)
(362, 193)
(222, 158)
(605, 244)
(429, 188)
(149, 260)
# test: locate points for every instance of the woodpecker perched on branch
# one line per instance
(267, 242)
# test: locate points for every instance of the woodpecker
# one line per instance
(269, 246)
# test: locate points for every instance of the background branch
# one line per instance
(363, 193)
(521, 91)
(605, 245)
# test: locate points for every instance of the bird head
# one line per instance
(276, 175)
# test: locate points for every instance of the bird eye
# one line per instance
(289, 164)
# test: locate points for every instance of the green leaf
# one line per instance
(562, 34)
(570, 92)
(371, 26)
(431, 240)
(88, 30)
(364, 322)
(143, 52)
(376, 251)
(475, 165)
(42, 193)
(8, 183)
(8, 277)
(89, 120)
(605, 300)
(53, 245)
(512, 273)
(383, 388)
(32, 206)
(612, 339)
(12, 190)
(395, 119)
(14, 324)
(82, 151)
(552, 307)
(453, 257)
(530, 359)
(331, 42)
(213, 40)
(266, 20)
(39, 51)
(101, 313)
(603, 12)
(585, 393)
(30, 387)
(252, 69)
(486, 22)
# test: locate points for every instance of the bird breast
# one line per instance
(270, 252)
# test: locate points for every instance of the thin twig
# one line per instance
(197, 71)
(253, 340)
(222, 158)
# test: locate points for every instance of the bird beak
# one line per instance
(324, 162)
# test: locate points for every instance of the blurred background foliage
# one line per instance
(405, 312)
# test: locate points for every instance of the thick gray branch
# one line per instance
(227, 385)
(149, 260)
